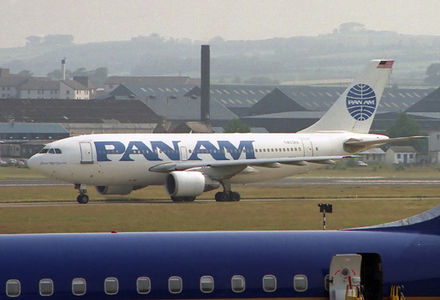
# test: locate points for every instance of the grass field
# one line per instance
(150, 209)
(205, 215)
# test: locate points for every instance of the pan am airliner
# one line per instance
(366, 263)
(190, 164)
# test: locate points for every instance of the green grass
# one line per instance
(205, 215)
(18, 173)
(150, 209)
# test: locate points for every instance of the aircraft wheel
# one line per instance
(234, 196)
(189, 198)
(222, 197)
(82, 198)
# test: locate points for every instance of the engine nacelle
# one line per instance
(114, 189)
(188, 183)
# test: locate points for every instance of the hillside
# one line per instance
(337, 55)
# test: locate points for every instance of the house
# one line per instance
(401, 155)
(87, 83)
(374, 155)
(39, 88)
(9, 84)
(71, 89)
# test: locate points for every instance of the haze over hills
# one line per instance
(340, 54)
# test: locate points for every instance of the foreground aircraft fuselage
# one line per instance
(224, 265)
(189, 164)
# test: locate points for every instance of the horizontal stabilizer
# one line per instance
(427, 222)
(354, 145)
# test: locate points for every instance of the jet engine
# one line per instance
(114, 189)
(188, 183)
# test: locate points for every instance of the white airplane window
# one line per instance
(143, 285)
(13, 288)
(44, 150)
(238, 284)
(269, 283)
(57, 151)
(175, 285)
(111, 286)
(206, 284)
(79, 286)
(300, 283)
(46, 287)
(52, 151)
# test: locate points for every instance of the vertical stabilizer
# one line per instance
(355, 108)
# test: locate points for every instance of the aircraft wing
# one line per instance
(357, 145)
(262, 162)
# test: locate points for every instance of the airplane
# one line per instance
(367, 263)
(190, 164)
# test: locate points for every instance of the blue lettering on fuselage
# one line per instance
(106, 148)
(206, 147)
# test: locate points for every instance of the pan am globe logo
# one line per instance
(361, 102)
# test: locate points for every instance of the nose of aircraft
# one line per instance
(33, 162)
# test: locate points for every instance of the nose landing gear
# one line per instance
(82, 197)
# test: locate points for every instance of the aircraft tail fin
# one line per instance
(355, 108)
(427, 222)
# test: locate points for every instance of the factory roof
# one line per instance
(235, 97)
(430, 103)
(75, 111)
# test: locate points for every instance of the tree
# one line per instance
(236, 125)
(25, 73)
(405, 126)
(433, 74)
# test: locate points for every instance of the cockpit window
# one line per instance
(51, 150)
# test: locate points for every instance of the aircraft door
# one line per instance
(308, 147)
(86, 153)
(183, 153)
(345, 270)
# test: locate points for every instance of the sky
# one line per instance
(108, 20)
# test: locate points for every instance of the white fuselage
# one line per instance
(126, 159)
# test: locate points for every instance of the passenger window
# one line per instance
(238, 284)
(79, 286)
(269, 283)
(206, 284)
(13, 288)
(143, 285)
(46, 287)
(111, 286)
(175, 285)
(300, 283)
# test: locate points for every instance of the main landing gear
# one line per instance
(227, 195)
(82, 197)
